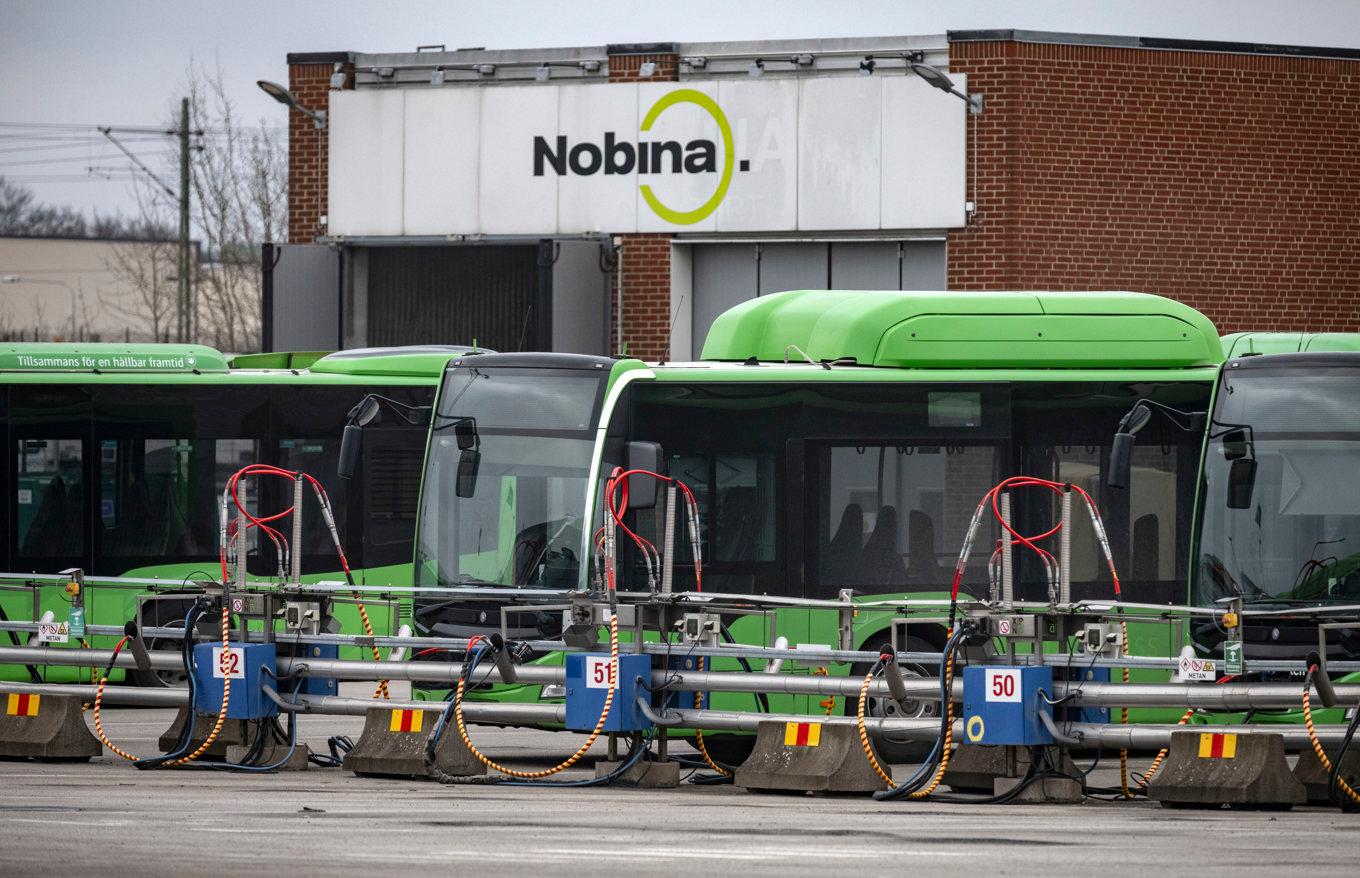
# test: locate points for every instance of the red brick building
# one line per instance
(1223, 175)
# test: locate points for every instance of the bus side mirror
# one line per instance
(1121, 461)
(469, 459)
(351, 442)
(1241, 482)
(1121, 450)
(642, 489)
(465, 433)
(1235, 445)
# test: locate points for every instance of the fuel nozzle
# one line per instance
(138, 646)
(1321, 681)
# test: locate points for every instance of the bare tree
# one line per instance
(239, 184)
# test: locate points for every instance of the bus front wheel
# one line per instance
(899, 751)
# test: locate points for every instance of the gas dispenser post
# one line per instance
(1007, 573)
(1065, 549)
(295, 547)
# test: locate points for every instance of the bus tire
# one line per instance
(162, 614)
(899, 751)
(728, 750)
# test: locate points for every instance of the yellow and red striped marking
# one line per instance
(1213, 745)
(802, 734)
(22, 705)
(407, 720)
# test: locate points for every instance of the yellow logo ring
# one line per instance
(703, 101)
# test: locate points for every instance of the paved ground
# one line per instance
(108, 818)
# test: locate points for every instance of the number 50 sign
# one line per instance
(1003, 685)
(229, 663)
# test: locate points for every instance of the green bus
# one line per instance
(834, 440)
(117, 456)
(1278, 512)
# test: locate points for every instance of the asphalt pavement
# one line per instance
(108, 818)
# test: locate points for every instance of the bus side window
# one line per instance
(49, 489)
(390, 475)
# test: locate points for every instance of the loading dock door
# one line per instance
(728, 274)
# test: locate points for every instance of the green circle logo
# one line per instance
(703, 101)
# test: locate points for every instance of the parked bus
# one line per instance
(1277, 522)
(117, 457)
(834, 440)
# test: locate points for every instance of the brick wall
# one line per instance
(646, 258)
(1227, 181)
(309, 80)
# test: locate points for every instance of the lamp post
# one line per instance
(20, 279)
(938, 78)
(285, 97)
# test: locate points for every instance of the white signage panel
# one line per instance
(512, 200)
(599, 190)
(827, 153)
(839, 140)
(922, 187)
(441, 151)
(367, 161)
(765, 131)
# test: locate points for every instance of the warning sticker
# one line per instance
(1217, 746)
(407, 721)
(1194, 669)
(54, 632)
(22, 704)
(802, 734)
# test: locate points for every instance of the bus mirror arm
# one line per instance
(366, 412)
(1121, 449)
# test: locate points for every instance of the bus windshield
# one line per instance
(506, 478)
(1280, 504)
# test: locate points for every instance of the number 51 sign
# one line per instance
(598, 674)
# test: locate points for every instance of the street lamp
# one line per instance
(20, 279)
(285, 97)
(938, 78)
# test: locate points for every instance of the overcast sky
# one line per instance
(122, 63)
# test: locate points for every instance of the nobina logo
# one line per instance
(649, 157)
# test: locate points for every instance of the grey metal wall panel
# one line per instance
(580, 300)
(305, 299)
(867, 265)
(793, 267)
(724, 275)
(454, 294)
(923, 265)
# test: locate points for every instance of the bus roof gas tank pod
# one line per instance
(967, 330)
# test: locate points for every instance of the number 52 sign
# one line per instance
(229, 663)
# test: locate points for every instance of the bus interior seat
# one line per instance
(842, 559)
(923, 567)
(882, 562)
(45, 533)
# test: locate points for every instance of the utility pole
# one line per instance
(186, 328)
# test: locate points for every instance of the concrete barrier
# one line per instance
(808, 757)
(1212, 769)
(1309, 772)
(234, 733)
(45, 727)
(393, 745)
